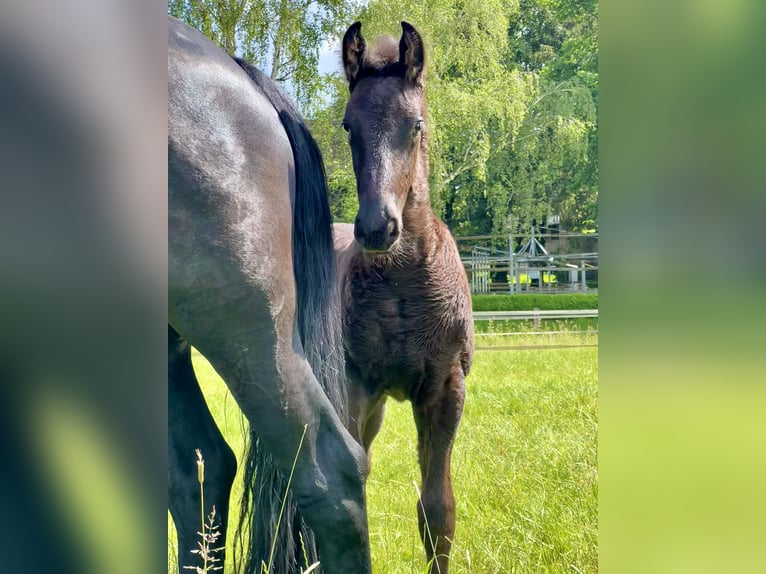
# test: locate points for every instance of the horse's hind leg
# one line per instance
(191, 427)
(437, 415)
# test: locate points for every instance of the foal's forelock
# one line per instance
(382, 55)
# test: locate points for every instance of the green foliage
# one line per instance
(531, 301)
(282, 37)
(333, 141)
(512, 88)
(476, 103)
(553, 169)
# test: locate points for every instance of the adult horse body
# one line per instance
(245, 182)
(408, 328)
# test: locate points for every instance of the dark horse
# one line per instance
(408, 329)
(251, 286)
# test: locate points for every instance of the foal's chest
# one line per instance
(393, 328)
(383, 316)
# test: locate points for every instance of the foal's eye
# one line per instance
(344, 125)
(419, 125)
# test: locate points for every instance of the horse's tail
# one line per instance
(319, 325)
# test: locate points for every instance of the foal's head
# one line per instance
(385, 121)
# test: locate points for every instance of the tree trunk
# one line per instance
(276, 62)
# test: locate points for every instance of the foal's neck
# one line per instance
(421, 236)
(417, 216)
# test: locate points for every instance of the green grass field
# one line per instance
(524, 464)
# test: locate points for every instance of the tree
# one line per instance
(475, 104)
(512, 87)
(333, 141)
(512, 92)
(554, 169)
(282, 37)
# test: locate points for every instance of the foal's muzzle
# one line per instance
(377, 233)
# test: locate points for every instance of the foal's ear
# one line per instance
(353, 53)
(412, 54)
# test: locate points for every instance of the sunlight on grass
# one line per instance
(524, 464)
(524, 470)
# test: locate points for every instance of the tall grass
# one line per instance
(210, 531)
(524, 465)
(530, 301)
(569, 326)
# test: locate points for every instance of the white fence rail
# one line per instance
(535, 316)
(515, 315)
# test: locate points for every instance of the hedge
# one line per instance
(530, 301)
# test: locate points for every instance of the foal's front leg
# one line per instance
(437, 416)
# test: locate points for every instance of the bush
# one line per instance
(530, 301)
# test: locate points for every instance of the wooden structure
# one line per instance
(531, 268)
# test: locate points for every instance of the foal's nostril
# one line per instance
(392, 229)
(378, 234)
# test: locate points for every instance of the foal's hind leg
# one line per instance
(437, 415)
(191, 426)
